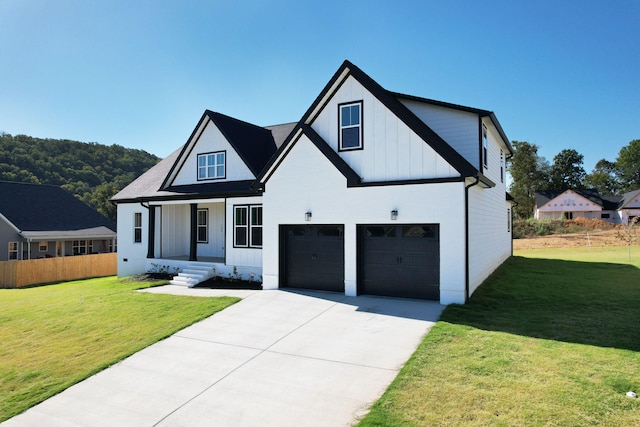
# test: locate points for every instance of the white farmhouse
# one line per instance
(371, 192)
(586, 203)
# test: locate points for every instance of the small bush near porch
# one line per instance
(55, 336)
(552, 338)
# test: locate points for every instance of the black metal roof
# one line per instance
(36, 207)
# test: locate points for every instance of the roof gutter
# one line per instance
(466, 237)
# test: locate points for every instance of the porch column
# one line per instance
(151, 247)
(193, 246)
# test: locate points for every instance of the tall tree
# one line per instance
(628, 164)
(567, 171)
(529, 172)
(604, 178)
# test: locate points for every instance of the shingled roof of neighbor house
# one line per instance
(37, 208)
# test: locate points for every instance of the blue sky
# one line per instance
(560, 74)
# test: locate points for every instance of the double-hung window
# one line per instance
(13, 250)
(203, 225)
(485, 147)
(211, 165)
(248, 226)
(350, 125)
(137, 227)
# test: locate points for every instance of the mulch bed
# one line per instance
(214, 283)
(222, 283)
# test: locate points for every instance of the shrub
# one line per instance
(532, 227)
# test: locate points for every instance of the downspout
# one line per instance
(466, 237)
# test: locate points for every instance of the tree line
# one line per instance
(531, 172)
(90, 171)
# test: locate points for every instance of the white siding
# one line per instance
(248, 260)
(307, 181)
(212, 140)
(175, 230)
(131, 256)
(489, 233)
(391, 151)
(459, 128)
(215, 245)
(494, 146)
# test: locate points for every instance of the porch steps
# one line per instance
(193, 274)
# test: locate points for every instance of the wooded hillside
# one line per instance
(91, 171)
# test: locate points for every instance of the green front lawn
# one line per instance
(54, 336)
(552, 338)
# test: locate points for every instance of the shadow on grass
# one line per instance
(579, 302)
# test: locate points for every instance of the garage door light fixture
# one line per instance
(394, 214)
(307, 216)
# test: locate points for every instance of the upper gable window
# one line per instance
(485, 147)
(211, 165)
(350, 126)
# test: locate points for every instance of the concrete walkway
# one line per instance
(276, 358)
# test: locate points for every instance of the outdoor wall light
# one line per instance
(394, 214)
(307, 216)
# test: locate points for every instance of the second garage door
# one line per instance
(313, 257)
(399, 260)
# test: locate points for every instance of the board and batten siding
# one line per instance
(247, 260)
(214, 247)
(307, 182)
(494, 147)
(459, 128)
(391, 150)
(132, 256)
(175, 230)
(212, 140)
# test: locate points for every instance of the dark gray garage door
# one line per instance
(399, 261)
(313, 257)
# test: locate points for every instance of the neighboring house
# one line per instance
(586, 203)
(629, 206)
(371, 192)
(43, 221)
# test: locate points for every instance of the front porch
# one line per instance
(203, 269)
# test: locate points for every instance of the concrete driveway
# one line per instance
(276, 358)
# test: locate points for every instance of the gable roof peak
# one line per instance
(389, 100)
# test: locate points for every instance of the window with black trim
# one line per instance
(13, 250)
(203, 225)
(256, 227)
(350, 121)
(137, 227)
(485, 147)
(247, 226)
(43, 246)
(501, 166)
(212, 165)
